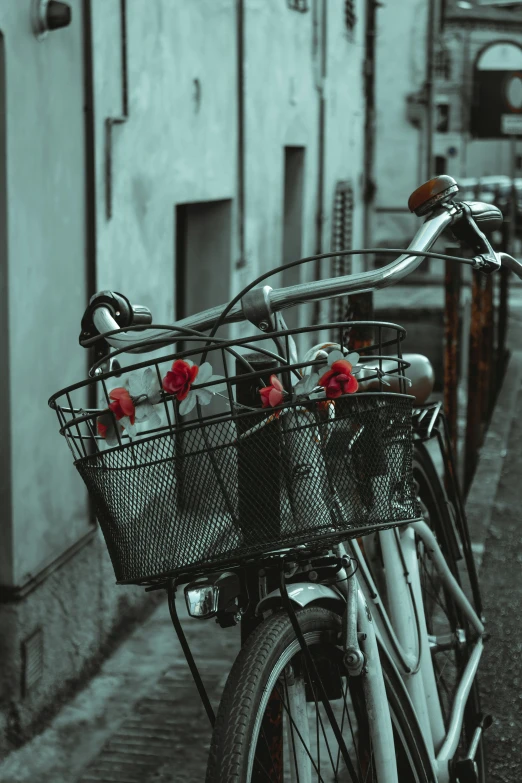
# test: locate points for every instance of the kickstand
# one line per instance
(171, 594)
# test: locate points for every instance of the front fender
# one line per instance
(303, 594)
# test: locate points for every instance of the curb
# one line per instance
(483, 490)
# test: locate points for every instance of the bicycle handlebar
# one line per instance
(278, 299)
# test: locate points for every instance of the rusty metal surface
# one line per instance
(360, 308)
(452, 286)
(474, 407)
(502, 319)
(487, 375)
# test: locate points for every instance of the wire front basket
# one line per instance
(188, 471)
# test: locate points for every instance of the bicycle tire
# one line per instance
(434, 500)
(238, 726)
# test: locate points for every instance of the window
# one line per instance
(442, 117)
(443, 63)
(202, 255)
(349, 14)
(342, 239)
(440, 165)
(298, 5)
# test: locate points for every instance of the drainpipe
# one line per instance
(90, 185)
(90, 161)
(430, 109)
(321, 52)
(240, 20)
(369, 118)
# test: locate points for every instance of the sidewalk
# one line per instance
(500, 520)
(140, 719)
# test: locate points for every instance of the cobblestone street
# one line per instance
(140, 720)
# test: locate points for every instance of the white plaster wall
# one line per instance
(46, 270)
(282, 108)
(171, 150)
(346, 117)
(399, 150)
(167, 152)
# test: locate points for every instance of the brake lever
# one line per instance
(468, 233)
(483, 263)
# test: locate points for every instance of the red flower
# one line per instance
(272, 395)
(339, 380)
(180, 378)
(121, 405)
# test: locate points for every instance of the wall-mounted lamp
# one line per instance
(48, 15)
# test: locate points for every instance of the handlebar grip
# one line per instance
(119, 307)
(141, 315)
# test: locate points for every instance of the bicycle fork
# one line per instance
(361, 658)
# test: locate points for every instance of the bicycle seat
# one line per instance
(420, 374)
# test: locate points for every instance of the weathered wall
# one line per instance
(400, 149)
(46, 280)
(169, 71)
(54, 574)
(179, 144)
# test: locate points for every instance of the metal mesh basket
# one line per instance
(228, 482)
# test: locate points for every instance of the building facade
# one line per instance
(426, 56)
(470, 29)
(171, 151)
(403, 33)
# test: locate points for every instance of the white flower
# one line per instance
(335, 356)
(202, 395)
(306, 384)
(144, 388)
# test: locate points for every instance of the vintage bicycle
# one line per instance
(299, 498)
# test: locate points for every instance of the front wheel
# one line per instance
(272, 727)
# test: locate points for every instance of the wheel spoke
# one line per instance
(318, 720)
(285, 707)
(294, 750)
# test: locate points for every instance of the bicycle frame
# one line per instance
(420, 686)
(398, 626)
(397, 631)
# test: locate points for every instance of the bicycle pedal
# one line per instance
(466, 770)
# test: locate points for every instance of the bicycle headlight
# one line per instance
(202, 600)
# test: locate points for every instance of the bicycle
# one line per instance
(334, 541)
